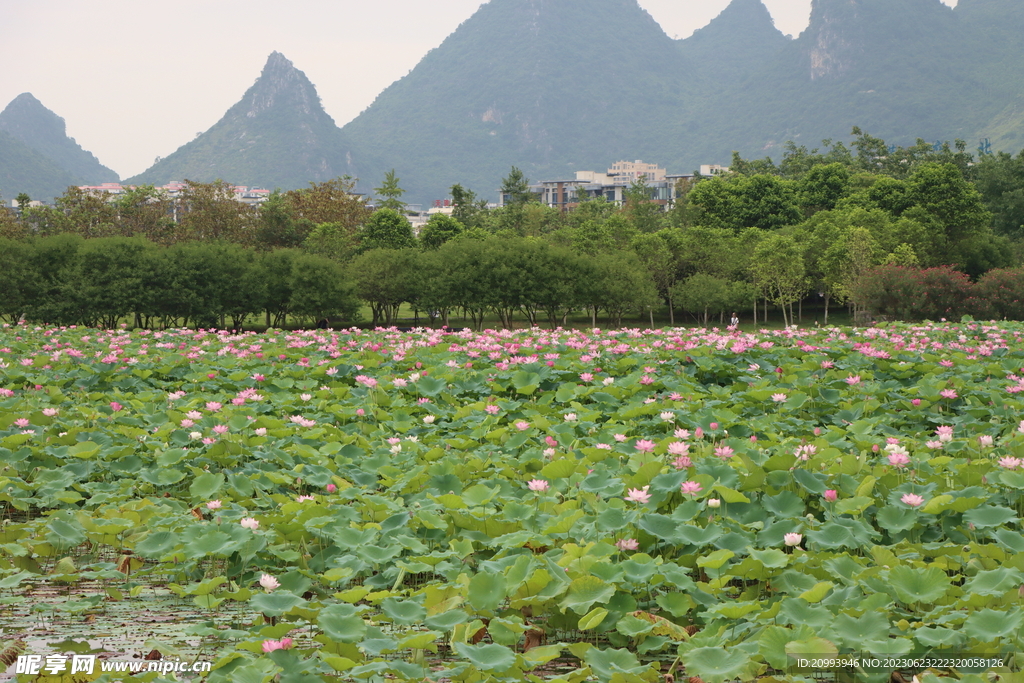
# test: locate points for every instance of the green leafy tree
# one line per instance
(779, 272)
(332, 240)
(466, 207)
(383, 279)
(515, 192)
(706, 295)
(646, 215)
(276, 267)
(321, 290)
(332, 202)
(111, 278)
(278, 226)
(17, 278)
(621, 286)
(387, 229)
(439, 229)
(737, 202)
(1001, 184)
(209, 212)
(390, 194)
(145, 211)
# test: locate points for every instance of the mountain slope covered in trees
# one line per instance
(37, 156)
(555, 86)
(277, 136)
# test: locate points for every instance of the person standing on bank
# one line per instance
(734, 321)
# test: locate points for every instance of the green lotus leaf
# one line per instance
(716, 664)
(538, 656)
(404, 612)
(917, 585)
(994, 582)
(592, 619)
(584, 592)
(487, 591)
(275, 604)
(988, 625)
(939, 637)
(989, 516)
(342, 624)
(606, 663)
(206, 486)
(497, 658)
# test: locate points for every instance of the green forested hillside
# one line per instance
(550, 85)
(23, 169)
(555, 86)
(26, 119)
(277, 135)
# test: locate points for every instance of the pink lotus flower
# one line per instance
(587, 377)
(213, 505)
(627, 544)
(698, 433)
(831, 495)
(570, 417)
(934, 444)
(1009, 462)
(912, 499)
(644, 445)
(948, 393)
(682, 462)
(915, 402)
(779, 398)
(194, 415)
(522, 426)
(283, 644)
(690, 488)
(538, 485)
(50, 412)
(331, 488)
(492, 409)
(678, 448)
(899, 459)
(826, 364)
(668, 416)
(985, 441)
(945, 433)
(366, 381)
(269, 583)
(250, 523)
(620, 437)
(724, 452)
(258, 377)
(21, 422)
(550, 440)
(713, 426)
(640, 496)
(792, 539)
(429, 419)
(115, 406)
(260, 431)
(213, 406)
(683, 434)
(221, 429)
(305, 499)
(853, 379)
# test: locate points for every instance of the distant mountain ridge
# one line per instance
(277, 135)
(38, 157)
(556, 86)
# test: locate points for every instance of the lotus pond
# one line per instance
(615, 506)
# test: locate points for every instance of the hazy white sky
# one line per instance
(136, 79)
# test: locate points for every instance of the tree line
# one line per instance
(765, 234)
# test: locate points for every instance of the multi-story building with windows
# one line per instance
(612, 185)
